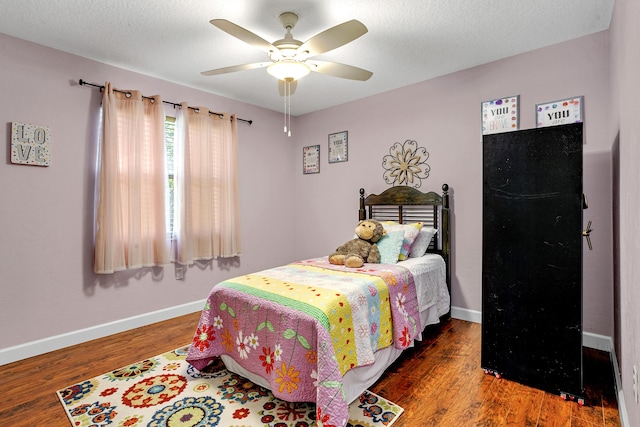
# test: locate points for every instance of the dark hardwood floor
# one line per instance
(438, 383)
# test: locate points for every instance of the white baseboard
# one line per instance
(45, 345)
(591, 340)
(622, 409)
(466, 314)
(597, 341)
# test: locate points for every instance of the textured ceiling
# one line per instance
(408, 40)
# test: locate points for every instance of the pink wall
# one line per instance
(625, 130)
(46, 213)
(443, 115)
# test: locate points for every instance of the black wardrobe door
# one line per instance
(532, 257)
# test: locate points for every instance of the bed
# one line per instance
(315, 332)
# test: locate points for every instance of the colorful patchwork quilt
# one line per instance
(302, 326)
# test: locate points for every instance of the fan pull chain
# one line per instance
(286, 84)
(289, 109)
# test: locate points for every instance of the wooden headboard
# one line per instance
(407, 204)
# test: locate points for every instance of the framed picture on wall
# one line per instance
(500, 115)
(311, 159)
(339, 147)
(563, 111)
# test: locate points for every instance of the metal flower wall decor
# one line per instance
(406, 164)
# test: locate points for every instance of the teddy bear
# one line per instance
(361, 249)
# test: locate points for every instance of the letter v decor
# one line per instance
(406, 164)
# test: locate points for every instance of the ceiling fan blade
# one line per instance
(339, 70)
(235, 68)
(243, 34)
(292, 87)
(333, 38)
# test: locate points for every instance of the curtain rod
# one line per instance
(101, 87)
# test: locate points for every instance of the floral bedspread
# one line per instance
(303, 325)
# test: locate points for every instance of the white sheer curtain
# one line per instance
(206, 185)
(130, 218)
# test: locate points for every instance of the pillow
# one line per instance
(389, 247)
(410, 233)
(421, 244)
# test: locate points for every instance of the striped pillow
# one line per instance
(410, 232)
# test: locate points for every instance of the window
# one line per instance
(163, 179)
(131, 200)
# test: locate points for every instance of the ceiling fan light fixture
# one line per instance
(288, 70)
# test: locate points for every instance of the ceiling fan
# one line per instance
(289, 58)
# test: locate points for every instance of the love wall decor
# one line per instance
(30, 144)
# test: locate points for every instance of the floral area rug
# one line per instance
(167, 391)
